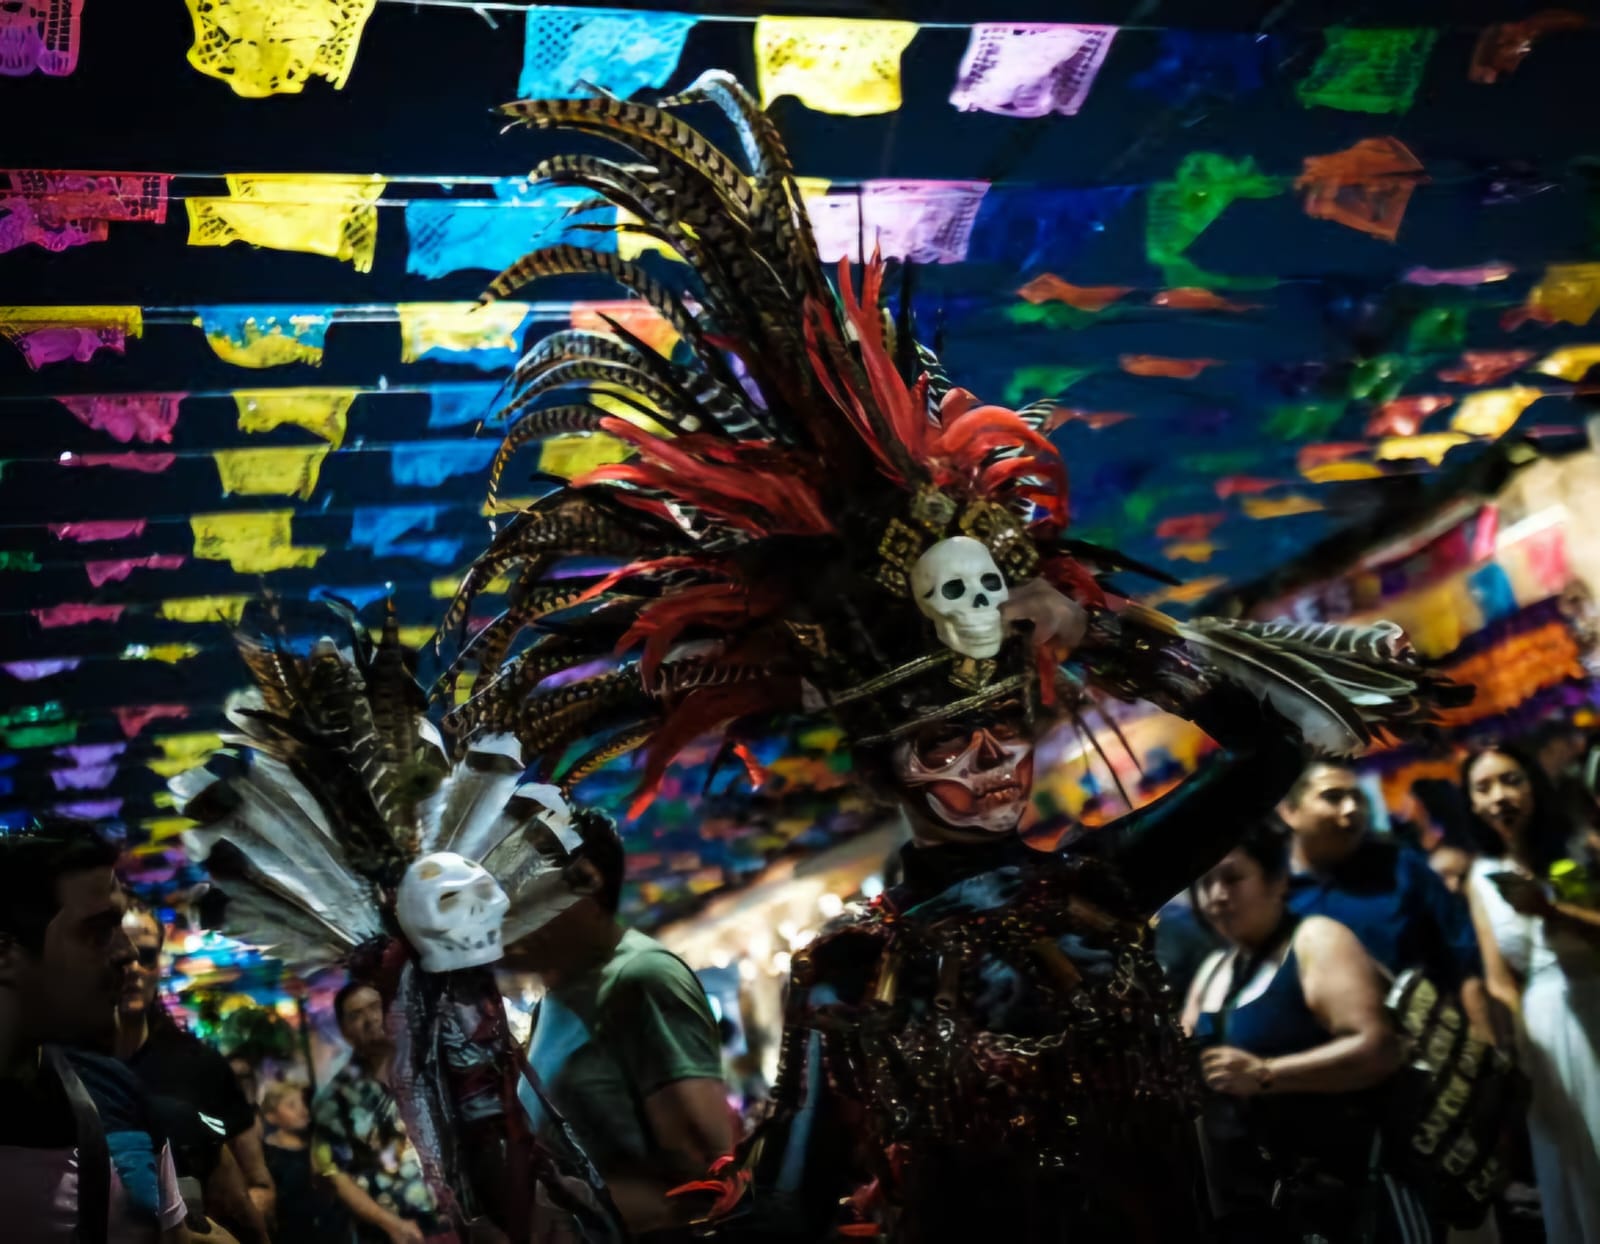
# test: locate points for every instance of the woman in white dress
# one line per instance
(1541, 957)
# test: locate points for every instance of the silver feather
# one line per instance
(1342, 685)
(276, 805)
(463, 815)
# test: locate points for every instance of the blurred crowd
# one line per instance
(1291, 950)
(1288, 957)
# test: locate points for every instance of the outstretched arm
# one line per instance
(1531, 898)
(1163, 847)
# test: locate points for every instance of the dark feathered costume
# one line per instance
(988, 1052)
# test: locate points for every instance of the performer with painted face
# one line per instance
(811, 519)
(340, 831)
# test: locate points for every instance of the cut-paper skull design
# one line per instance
(451, 911)
(958, 586)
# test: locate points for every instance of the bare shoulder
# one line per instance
(1322, 938)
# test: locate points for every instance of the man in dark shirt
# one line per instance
(1386, 894)
(214, 1128)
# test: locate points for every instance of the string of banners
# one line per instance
(849, 66)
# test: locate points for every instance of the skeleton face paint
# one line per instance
(957, 584)
(451, 910)
(975, 776)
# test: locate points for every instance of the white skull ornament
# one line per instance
(958, 586)
(451, 910)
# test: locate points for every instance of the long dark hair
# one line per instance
(1544, 840)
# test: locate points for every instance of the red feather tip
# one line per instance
(702, 711)
(1074, 579)
(753, 768)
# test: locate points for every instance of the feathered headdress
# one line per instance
(333, 782)
(341, 832)
(792, 461)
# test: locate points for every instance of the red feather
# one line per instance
(819, 323)
(660, 623)
(650, 566)
(955, 436)
(728, 480)
(753, 768)
(1007, 471)
(701, 712)
(1073, 578)
(907, 420)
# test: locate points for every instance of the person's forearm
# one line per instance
(1475, 1006)
(644, 1205)
(1579, 919)
(228, 1198)
(181, 1234)
(1505, 1005)
(1344, 1065)
(1164, 847)
(249, 1151)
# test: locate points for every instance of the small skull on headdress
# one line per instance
(451, 911)
(958, 586)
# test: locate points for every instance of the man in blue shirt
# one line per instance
(1385, 893)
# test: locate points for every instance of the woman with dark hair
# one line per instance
(1540, 935)
(1290, 1018)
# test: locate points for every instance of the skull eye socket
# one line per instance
(943, 744)
(953, 589)
(484, 888)
(991, 582)
(447, 900)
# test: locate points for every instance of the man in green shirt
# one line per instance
(624, 1042)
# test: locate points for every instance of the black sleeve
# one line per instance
(224, 1098)
(196, 1147)
(1164, 847)
(115, 1091)
(806, 1163)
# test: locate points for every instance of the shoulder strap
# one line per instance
(94, 1155)
(1218, 957)
(1219, 1020)
(1247, 967)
